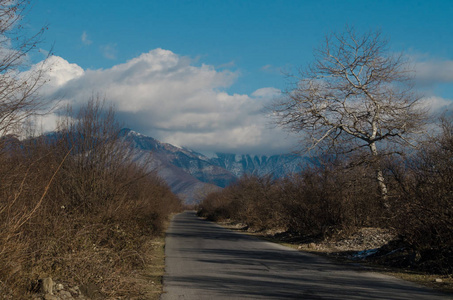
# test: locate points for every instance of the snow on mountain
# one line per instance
(188, 173)
(191, 174)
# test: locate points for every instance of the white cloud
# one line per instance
(268, 93)
(61, 71)
(434, 71)
(431, 72)
(436, 105)
(165, 96)
(85, 39)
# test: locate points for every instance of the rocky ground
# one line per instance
(361, 244)
(47, 289)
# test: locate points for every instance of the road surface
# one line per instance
(206, 261)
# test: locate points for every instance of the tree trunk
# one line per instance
(380, 178)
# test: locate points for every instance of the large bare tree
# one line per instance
(18, 87)
(356, 94)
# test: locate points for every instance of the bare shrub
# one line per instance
(322, 200)
(216, 206)
(26, 180)
(425, 212)
(98, 213)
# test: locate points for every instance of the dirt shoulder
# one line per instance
(150, 279)
(375, 249)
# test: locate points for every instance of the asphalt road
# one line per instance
(206, 261)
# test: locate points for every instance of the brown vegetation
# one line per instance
(425, 202)
(317, 202)
(75, 206)
(336, 197)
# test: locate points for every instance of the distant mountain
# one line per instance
(191, 174)
(188, 173)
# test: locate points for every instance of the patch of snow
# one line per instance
(134, 133)
(365, 253)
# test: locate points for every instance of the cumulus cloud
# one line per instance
(59, 72)
(163, 95)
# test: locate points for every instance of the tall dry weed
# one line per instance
(76, 207)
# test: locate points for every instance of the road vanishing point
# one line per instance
(206, 261)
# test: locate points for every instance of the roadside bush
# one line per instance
(252, 200)
(216, 207)
(76, 207)
(330, 198)
(320, 201)
(425, 211)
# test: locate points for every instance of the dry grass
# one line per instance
(79, 210)
(150, 279)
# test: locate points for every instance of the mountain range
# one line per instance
(191, 175)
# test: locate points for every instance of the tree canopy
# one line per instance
(356, 94)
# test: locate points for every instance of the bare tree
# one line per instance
(18, 89)
(355, 94)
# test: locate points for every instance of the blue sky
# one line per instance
(233, 54)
